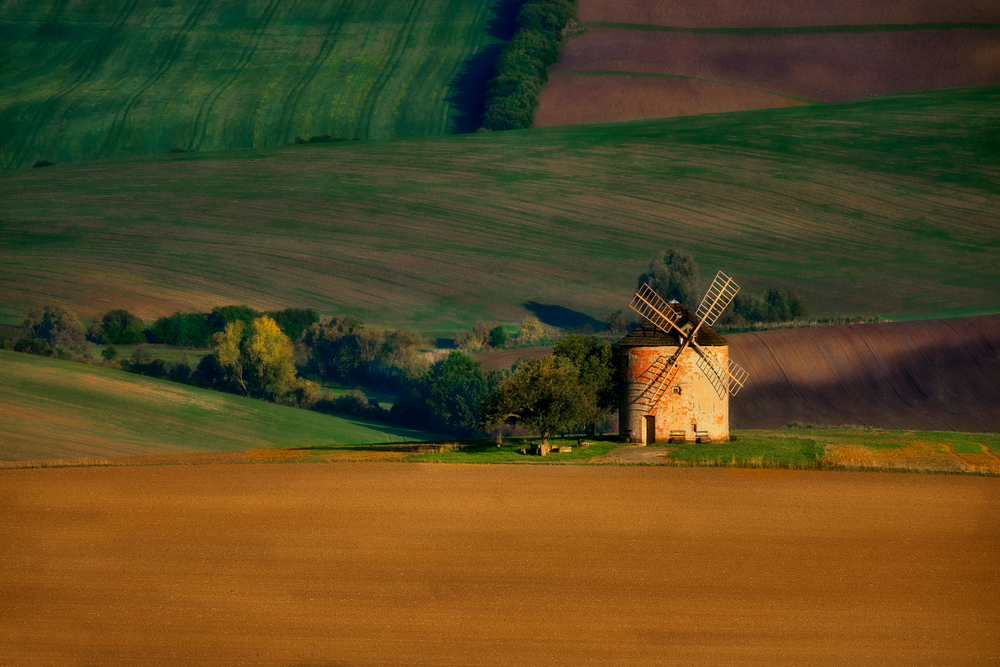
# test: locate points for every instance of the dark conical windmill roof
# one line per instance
(648, 334)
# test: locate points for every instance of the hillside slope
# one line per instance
(927, 375)
(92, 79)
(53, 409)
(884, 206)
(643, 59)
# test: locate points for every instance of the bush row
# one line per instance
(120, 327)
(520, 72)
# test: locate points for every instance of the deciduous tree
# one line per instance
(544, 395)
(673, 274)
(56, 324)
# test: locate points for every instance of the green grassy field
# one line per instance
(831, 448)
(881, 206)
(95, 79)
(59, 409)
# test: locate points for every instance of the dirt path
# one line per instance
(365, 564)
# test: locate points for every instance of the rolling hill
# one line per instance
(882, 206)
(52, 409)
(643, 59)
(93, 79)
(926, 375)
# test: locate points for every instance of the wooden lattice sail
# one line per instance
(726, 378)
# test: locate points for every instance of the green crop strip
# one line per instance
(141, 77)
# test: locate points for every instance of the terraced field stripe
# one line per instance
(204, 113)
(676, 76)
(387, 66)
(800, 30)
(325, 51)
(94, 58)
(178, 43)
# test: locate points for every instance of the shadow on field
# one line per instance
(467, 89)
(564, 318)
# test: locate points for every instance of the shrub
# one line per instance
(119, 327)
(530, 331)
(512, 93)
(44, 163)
(673, 274)
(185, 329)
(32, 345)
(109, 353)
(449, 397)
(498, 336)
(294, 321)
(355, 404)
(56, 324)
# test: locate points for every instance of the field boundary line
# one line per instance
(611, 72)
(801, 30)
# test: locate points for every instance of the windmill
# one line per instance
(670, 341)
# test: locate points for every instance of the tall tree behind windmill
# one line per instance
(673, 274)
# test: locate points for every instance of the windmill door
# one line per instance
(650, 429)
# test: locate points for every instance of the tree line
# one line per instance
(520, 72)
(253, 355)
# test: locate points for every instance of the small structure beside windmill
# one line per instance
(676, 374)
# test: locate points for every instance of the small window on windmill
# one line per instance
(677, 390)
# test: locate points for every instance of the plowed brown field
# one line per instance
(927, 375)
(785, 13)
(372, 564)
(825, 67)
(579, 99)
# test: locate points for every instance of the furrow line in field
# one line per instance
(568, 73)
(95, 57)
(41, 47)
(325, 50)
(176, 45)
(203, 119)
(394, 53)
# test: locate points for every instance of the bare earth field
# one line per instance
(925, 375)
(812, 50)
(825, 67)
(421, 564)
(580, 99)
(785, 13)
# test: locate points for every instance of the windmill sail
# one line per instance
(721, 293)
(648, 303)
(725, 378)
(660, 375)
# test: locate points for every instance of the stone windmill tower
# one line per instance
(676, 374)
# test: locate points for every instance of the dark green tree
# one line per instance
(118, 327)
(597, 372)
(294, 321)
(57, 325)
(449, 397)
(544, 395)
(499, 336)
(185, 329)
(673, 274)
(334, 350)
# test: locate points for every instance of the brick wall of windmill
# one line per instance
(698, 404)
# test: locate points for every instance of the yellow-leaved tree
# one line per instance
(269, 354)
(228, 346)
(262, 364)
